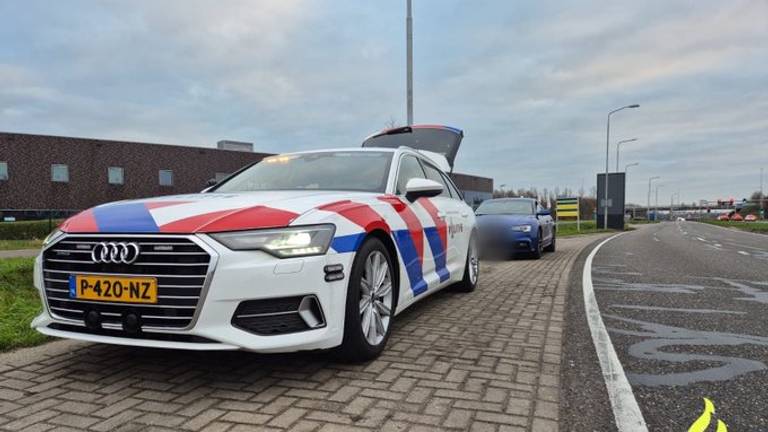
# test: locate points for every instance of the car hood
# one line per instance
(494, 220)
(204, 212)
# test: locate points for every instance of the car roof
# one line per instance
(511, 199)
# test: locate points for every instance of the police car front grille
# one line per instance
(179, 264)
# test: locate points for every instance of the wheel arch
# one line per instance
(386, 239)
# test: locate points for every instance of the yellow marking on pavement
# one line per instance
(705, 419)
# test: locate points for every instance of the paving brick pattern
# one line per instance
(489, 360)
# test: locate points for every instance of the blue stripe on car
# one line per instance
(411, 259)
(125, 218)
(436, 244)
(347, 243)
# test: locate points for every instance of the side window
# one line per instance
(409, 168)
(434, 174)
(454, 192)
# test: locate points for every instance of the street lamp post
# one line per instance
(656, 205)
(409, 62)
(618, 146)
(648, 207)
(626, 168)
(762, 196)
(607, 151)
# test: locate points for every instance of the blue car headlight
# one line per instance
(522, 228)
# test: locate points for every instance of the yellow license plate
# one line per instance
(113, 288)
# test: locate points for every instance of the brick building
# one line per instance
(40, 172)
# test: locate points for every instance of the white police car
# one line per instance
(300, 251)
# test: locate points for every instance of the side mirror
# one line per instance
(211, 182)
(422, 188)
(544, 212)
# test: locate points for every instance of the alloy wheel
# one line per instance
(375, 298)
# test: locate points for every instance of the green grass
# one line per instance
(20, 244)
(567, 229)
(19, 303)
(758, 227)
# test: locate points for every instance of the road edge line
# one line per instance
(626, 412)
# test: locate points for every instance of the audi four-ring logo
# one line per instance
(115, 252)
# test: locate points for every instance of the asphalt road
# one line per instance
(686, 306)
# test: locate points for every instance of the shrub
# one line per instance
(27, 230)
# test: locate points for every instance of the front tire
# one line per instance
(536, 254)
(551, 247)
(371, 302)
(471, 268)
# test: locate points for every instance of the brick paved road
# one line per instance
(489, 360)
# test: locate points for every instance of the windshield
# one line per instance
(517, 207)
(362, 171)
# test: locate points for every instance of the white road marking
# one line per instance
(626, 412)
(744, 253)
(700, 239)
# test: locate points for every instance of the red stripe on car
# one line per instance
(411, 221)
(83, 222)
(160, 204)
(256, 217)
(360, 214)
(442, 228)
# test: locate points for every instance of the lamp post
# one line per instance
(607, 150)
(618, 146)
(648, 208)
(409, 62)
(626, 168)
(762, 196)
(656, 205)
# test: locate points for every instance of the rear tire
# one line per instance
(471, 269)
(371, 303)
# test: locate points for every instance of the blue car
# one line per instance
(510, 226)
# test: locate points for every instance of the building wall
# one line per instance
(475, 189)
(29, 159)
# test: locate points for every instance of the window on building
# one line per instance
(60, 173)
(115, 175)
(166, 178)
(3, 171)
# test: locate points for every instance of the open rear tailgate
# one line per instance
(443, 140)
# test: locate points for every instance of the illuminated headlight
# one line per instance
(522, 228)
(53, 236)
(282, 243)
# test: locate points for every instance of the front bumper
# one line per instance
(237, 277)
(508, 241)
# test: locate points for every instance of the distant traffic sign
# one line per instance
(568, 208)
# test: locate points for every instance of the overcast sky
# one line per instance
(530, 83)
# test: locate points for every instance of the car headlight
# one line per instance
(282, 243)
(55, 234)
(522, 228)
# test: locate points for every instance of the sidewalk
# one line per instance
(485, 361)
